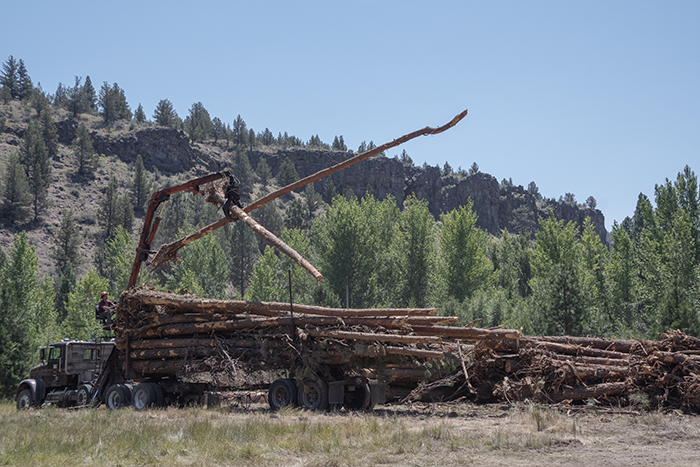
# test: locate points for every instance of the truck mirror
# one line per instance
(42, 354)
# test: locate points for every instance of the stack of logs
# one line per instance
(185, 336)
(664, 373)
(415, 351)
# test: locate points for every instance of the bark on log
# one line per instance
(591, 360)
(568, 349)
(414, 352)
(184, 352)
(366, 336)
(169, 251)
(469, 334)
(184, 304)
(617, 345)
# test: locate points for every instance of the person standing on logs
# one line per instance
(104, 309)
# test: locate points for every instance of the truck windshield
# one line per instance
(55, 353)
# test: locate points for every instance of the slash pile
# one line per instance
(243, 344)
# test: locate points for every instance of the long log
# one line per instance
(186, 303)
(617, 345)
(591, 360)
(195, 342)
(367, 336)
(169, 251)
(467, 333)
(184, 352)
(569, 349)
(414, 352)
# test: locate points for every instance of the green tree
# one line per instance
(242, 254)
(64, 283)
(287, 173)
(558, 302)
(239, 131)
(139, 114)
(108, 217)
(339, 144)
(269, 217)
(80, 322)
(198, 124)
(9, 77)
(297, 216)
(263, 171)
(27, 316)
(304, 285)
(204, 260)
(595, 257)
(244, 172)
(16, 195)
(165, 114)
(265, 283)
(49, 132)
(621, 272)
(113, 105)
(67, 242)
(415, 250)
(119, 258)
(140, 188)
(90, 95)
(76, 99)
(24, 82)
(464, 264)
(84, 152)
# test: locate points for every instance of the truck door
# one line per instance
(54, 367)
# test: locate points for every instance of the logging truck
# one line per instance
(167, 351)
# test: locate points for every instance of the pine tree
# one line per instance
(242, 255)
(24, 82)
(64, 284)
(287, 173)
(9, 77)
(240, 131)
(16, 195)
(84, 152)
(265, 283)
(76, 99)
(113, 104)
(165, 114)
(49, 131)
(198, 124)
(140, 187)
(139, 115)
(108, 217)
(66, 249)
(90, 96)
(263, 171)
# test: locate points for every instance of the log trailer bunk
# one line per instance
(88, 373)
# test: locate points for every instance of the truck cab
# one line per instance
(66, 374)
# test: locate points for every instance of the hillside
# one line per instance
(170, 158)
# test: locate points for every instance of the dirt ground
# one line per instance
(528, 435)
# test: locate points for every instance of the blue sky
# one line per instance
(596, 98)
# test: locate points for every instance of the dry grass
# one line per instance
(427, 435)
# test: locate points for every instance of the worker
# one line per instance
(104, 308)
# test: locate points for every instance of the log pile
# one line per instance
(233, 343)
(664, 373)
(419, 354)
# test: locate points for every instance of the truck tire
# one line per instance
(25, 400)
(117, 397)
(84, 396)
(282, 392)
(359, 399)
(313, 394)
(147, 395)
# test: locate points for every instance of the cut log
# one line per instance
(366, 336)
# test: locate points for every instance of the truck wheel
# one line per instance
(84, 397)
(147, 395)
(25, 401)
(313, 394)
(117, 397)
(282, 392)
(360, 399)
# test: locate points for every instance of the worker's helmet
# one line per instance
(103, 294)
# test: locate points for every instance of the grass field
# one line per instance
(419, 435)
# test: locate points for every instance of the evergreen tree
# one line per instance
(10, 76)
(126, 213)
(240, 131)
(269, 217)
(76, 99)
(244, 172)
(313, 200)
(66, 248)
(165, 114)
(140, 115)
(217, 129)
(16, 195)
(297, 215)
(198, 124)
(621, 272)
(24, 82)
(89, 95)
(39, 183)
(64, 283)
(108, 217)
(49, 132)
(339, 144)
(287, 173)
(263, 171)
(140, 189)
(84, 152)
(304, 285)
(113, 104)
